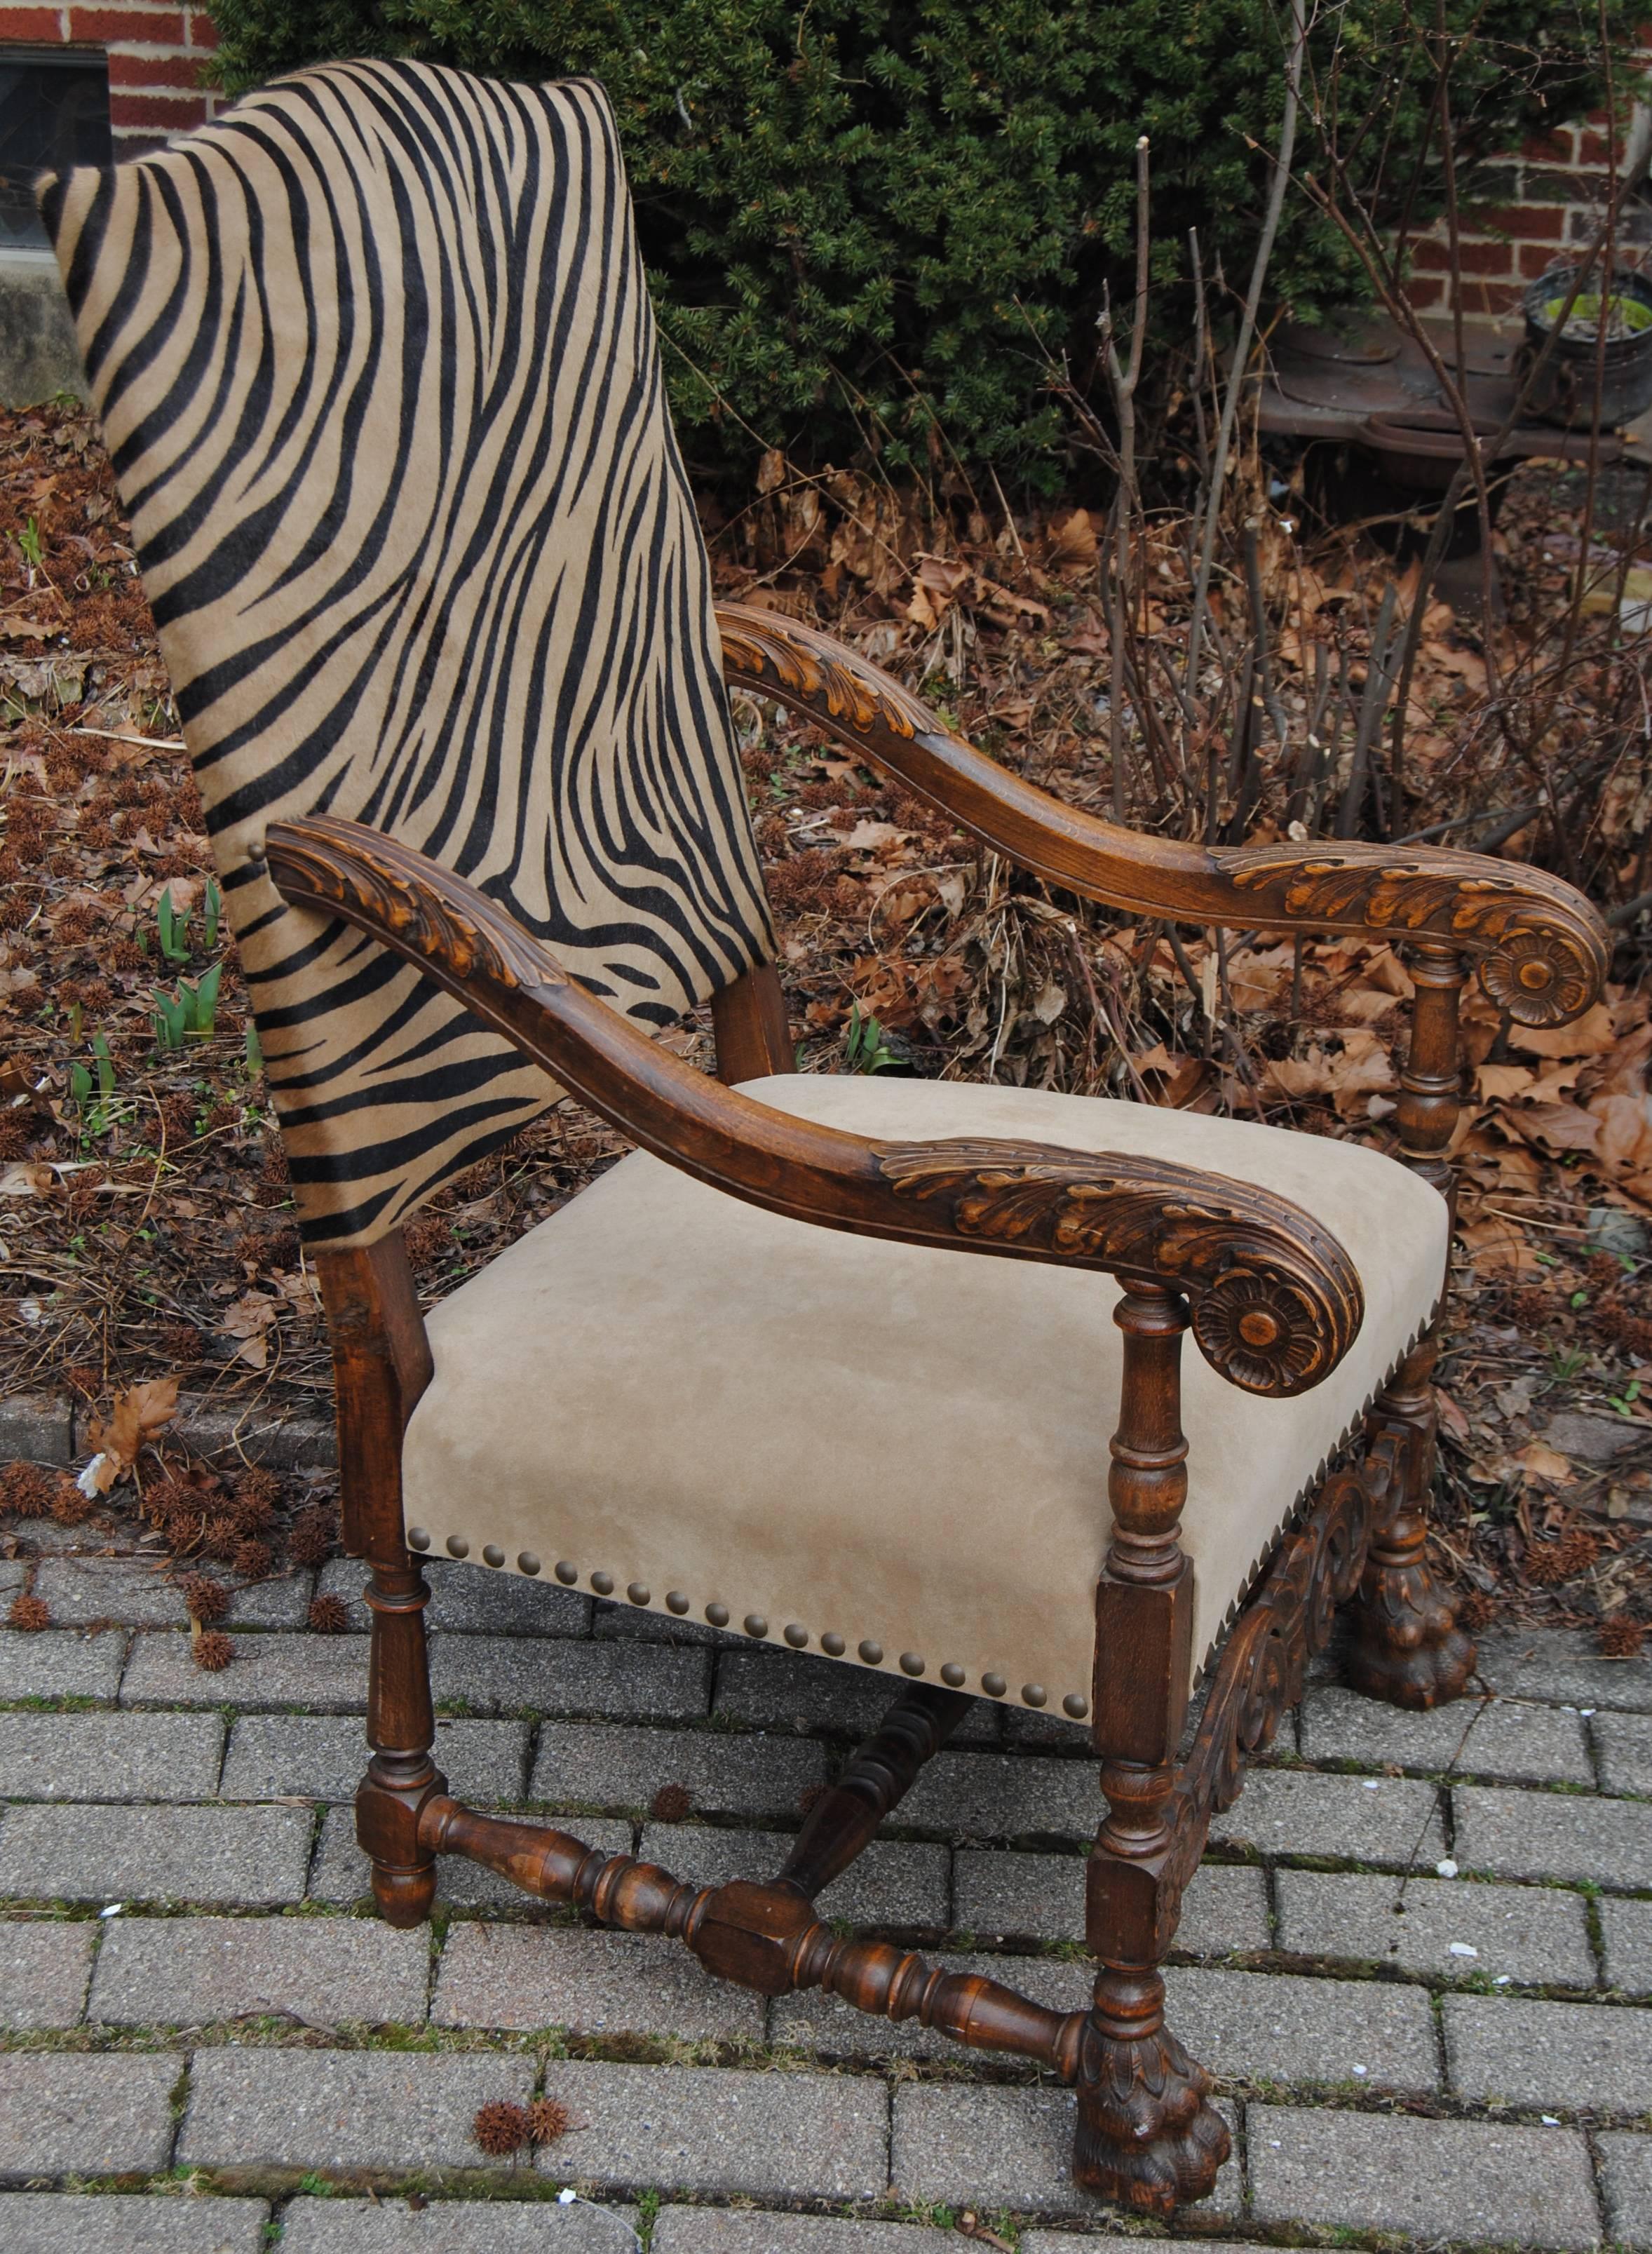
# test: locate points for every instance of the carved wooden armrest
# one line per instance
(1542, 949)
(1275, 1299)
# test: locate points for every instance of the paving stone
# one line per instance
(776, 1690)
(44, 1964)
(1568, 2057)
(1444, 1928)
(243, 1855)
(1497, 1738)
(321, 1757)
(1626, 2179)
(133, 1591)
(110, 1756)
(989, 2147)
(599, 1765)
(777, 2136)
(1565, 1666)
(717, 2230)
(473, 1600)
(895, 1883)
(328, 1674)
(1359, 1819)
(1064, 2241)
(1625, 1745)
(455, 2226)
(556, 1675)
(1004, 1796)
(616, 1623)
(1020, 1725)
(531, 1976)
(341, 1873)
(1553, 1834)
(1041, 1898)
(1626, 1928)
(14, 1572)
(135, 2222)
(75, 2115)
(336, 2110)
(60, 1663)
(37, 1428)
(1455, 2179)
(815, 2022)
(1273, 2026)
(191, 1971)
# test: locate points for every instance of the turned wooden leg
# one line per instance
(1407, 1647)
(401, 1777)
(1147, 2135)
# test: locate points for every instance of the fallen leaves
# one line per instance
(137, 1415)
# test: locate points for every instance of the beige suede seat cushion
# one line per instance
(663, 1391)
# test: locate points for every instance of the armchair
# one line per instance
(430, 588)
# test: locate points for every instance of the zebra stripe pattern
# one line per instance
(378, 373)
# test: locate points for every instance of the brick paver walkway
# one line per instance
(1419, 1961)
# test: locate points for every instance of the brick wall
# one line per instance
(154, 54)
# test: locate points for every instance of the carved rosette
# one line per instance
(1543, 949)
(371, 880)
(1275, 1301)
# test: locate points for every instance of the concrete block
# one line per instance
(45, 1965)
(47, 1756)
(60, 1663)
(1551, 1835)
(69, 2114)
(321, 1757)
(250, 1856)
(455, 2226)
(132, 1593)
(1443, 1928)
(326, 1674)
(1565, 2057)
(133, 2222)
(1004, 1796)
(523, 1977)
(1626, 2180)
(321, 1971)
(1492, 1737)
(1429, 2179)
(605, 1765)
(1624, 1742)
(769, 2135)
(1626, 1928)
(556, 1675)
(1041, 1897)
(1273, 2026)
(896, 1884)
(336, 2111)
(341, 1873)
(473, 1600)
(722, 2231)
(1564, 1666)
(1361, 1819)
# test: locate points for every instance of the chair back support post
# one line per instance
(748, 1017)
(1432, 1079)
(382, 1364)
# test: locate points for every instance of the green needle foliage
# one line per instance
(871, 225)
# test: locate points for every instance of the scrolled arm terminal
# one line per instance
(1275, 1299)
(1541, 948)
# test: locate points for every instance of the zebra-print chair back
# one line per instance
(377, 369)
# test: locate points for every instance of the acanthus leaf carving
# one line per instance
(1275, 1299)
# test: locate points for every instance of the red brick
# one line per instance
(1596, 149)
(41, 27)
(1432, 257)
(152, 73)
(109, 27)
(1554, 148)
(203, 33)
(1535, 259)
(1426, 289)
(1525, 223)
(1490, 297)
(165, 113)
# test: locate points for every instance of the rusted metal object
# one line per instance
(1373, 386)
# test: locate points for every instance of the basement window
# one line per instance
(54, 112)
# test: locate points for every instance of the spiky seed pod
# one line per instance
(548, 2118)
(221, 1538)
(500, 2128)
(257, 1491)
(207, 1598)
(182, 1342)
(29, 1613)
(26, 1490)
(329, 1615)
(252, 1560)
(1475, 1610)
(69, 1507)
(1548, 1564)
(1621, 1637)
(213, 1650)
(310, 1541)
(670, 1804)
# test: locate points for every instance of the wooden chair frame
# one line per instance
(1147, 2135)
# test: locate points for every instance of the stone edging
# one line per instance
(50, 1428)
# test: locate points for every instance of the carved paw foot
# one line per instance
(1406, 1647)
(1146, 2135)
